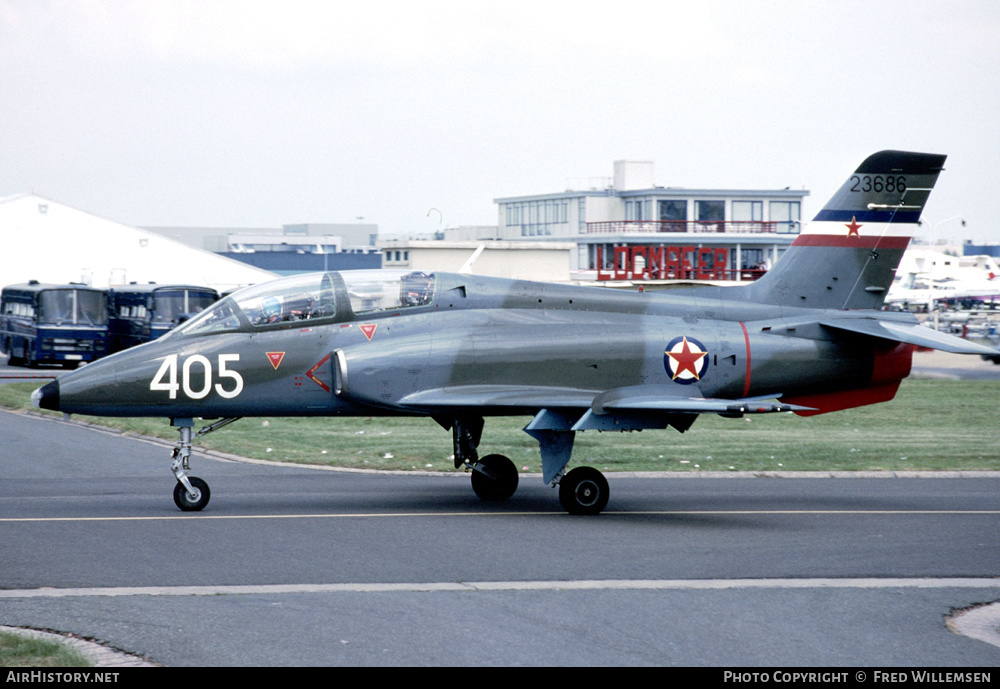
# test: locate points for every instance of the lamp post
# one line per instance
(933, 226)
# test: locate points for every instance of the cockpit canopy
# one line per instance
(314, 297)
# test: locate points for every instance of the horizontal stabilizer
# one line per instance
(910, 333)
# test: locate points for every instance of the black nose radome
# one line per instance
(47, 396)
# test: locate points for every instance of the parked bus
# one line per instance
(140, 313)
(60, 324)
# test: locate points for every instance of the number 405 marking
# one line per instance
(168, 371)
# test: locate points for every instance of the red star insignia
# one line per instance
(687, 360)
(852, 229)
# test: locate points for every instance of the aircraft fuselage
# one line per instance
(476, 334)
(808, 337)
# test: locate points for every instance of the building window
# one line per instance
(672, 211)
(536, 218)
(709, 214)
(709, 210)
(785, 215)
(744, 211)
(639, 210)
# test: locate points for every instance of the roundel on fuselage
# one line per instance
(686, 360)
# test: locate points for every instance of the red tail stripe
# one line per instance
(831, 240)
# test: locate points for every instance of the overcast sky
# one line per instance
(258, 114)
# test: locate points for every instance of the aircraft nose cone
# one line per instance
(47, 396)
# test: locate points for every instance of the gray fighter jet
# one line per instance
(808, 337)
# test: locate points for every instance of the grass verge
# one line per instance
(17, 650)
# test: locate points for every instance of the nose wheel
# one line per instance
(191, 493)
(194, 499)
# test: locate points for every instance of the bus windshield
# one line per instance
(169, 305)
(72, 307)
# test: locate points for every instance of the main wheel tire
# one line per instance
(584, 491)
(185, 502)
(500, 480)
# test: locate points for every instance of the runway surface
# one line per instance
(292, 566)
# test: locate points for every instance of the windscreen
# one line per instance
(72, 307)
(313, 296)
(170, 305)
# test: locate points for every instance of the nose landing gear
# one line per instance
(191, 493)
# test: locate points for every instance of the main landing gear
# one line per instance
(191, 493)
(583, 490)
(494, 477)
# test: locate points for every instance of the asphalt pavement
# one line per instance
(290, 566)
(300, 567)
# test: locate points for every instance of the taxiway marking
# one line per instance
(487, 586)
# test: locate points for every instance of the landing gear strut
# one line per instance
(191, 493)
(494, 477)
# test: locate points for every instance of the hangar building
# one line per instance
(49, 242)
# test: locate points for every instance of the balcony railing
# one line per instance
(682, 227)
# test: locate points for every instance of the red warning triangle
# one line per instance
(275, 358)
(369, 329)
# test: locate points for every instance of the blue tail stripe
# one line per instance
(874, 216)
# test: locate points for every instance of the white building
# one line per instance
(544, 261)
(49, 242)
(627, 229)
(635, 230)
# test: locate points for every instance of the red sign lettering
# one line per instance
(638, 262)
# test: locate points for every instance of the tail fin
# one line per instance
(847, 256)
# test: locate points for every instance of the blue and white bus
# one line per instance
(59, 324)
(140, 313)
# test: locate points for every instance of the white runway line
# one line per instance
(980, 623)
(553, 585)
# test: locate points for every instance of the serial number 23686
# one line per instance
(878, 183)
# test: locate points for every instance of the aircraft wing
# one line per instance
(619, 402)
(646, 398)
(910, 333)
